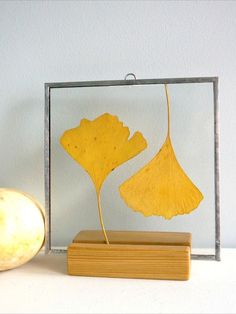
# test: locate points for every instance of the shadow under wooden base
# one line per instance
(131, 254)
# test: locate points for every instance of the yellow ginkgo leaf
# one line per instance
(161, 187)
(100, 146)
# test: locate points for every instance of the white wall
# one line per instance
(68, 41)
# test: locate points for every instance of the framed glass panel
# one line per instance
(141, 104)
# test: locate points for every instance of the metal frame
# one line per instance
(134, 81)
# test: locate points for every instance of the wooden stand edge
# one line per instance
(131, 254)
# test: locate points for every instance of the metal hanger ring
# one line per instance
(130, 74)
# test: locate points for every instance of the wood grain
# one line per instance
(130, 260)
(135, 237)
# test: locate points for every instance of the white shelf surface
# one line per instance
(43, 286)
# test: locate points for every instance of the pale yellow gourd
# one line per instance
(22, 228)
(100, 146)
(161, 187)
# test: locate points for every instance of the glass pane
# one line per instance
(142, 108)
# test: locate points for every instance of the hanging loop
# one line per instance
(130, 74)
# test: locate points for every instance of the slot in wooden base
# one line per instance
(131, 254)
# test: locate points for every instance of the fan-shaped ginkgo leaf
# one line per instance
(100, 146)
(161, 187)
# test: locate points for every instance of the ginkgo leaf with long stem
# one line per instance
(100, 146)
(161, 187)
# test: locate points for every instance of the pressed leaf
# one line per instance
(100, 146)
(161, 187)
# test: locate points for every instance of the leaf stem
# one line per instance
(168, 109)
(100, 217)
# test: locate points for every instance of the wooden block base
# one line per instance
(131, 254)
